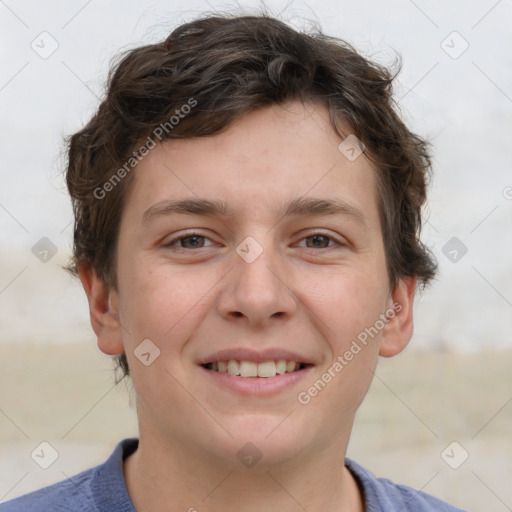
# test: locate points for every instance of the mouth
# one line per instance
(251, 369)
(262, 378)
(252, 373)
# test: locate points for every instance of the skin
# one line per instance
(313, 296)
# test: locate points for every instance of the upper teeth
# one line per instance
(252, 369)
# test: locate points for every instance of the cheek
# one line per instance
(348, 309)
(163, 304)
(355, 304)
(346, 302)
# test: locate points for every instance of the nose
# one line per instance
(257, 290)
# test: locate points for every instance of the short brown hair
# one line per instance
(229, 66)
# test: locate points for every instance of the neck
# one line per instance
(159, 476)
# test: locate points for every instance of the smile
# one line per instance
(264, 369)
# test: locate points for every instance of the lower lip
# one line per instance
(257, 386)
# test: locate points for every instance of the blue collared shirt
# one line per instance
(103, 489)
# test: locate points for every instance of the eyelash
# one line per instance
(171, 244)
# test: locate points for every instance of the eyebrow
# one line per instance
(299, 206)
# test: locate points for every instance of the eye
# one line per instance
(194, 240)
(319, 241)
(188, 241)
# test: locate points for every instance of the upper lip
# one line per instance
(256, 356)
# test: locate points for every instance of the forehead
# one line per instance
(260, 163)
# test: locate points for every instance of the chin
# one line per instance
(261, 441)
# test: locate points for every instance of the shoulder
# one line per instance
(383, 495)
(71, 494)
(97, 489)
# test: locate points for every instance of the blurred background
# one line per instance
(438, 417)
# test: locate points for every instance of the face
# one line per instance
(261, 244)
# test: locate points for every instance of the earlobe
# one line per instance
(398, 331)
(103, 311)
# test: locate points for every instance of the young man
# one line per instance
(247, 216)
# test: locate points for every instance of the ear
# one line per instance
(398, 330)
(103, 307)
